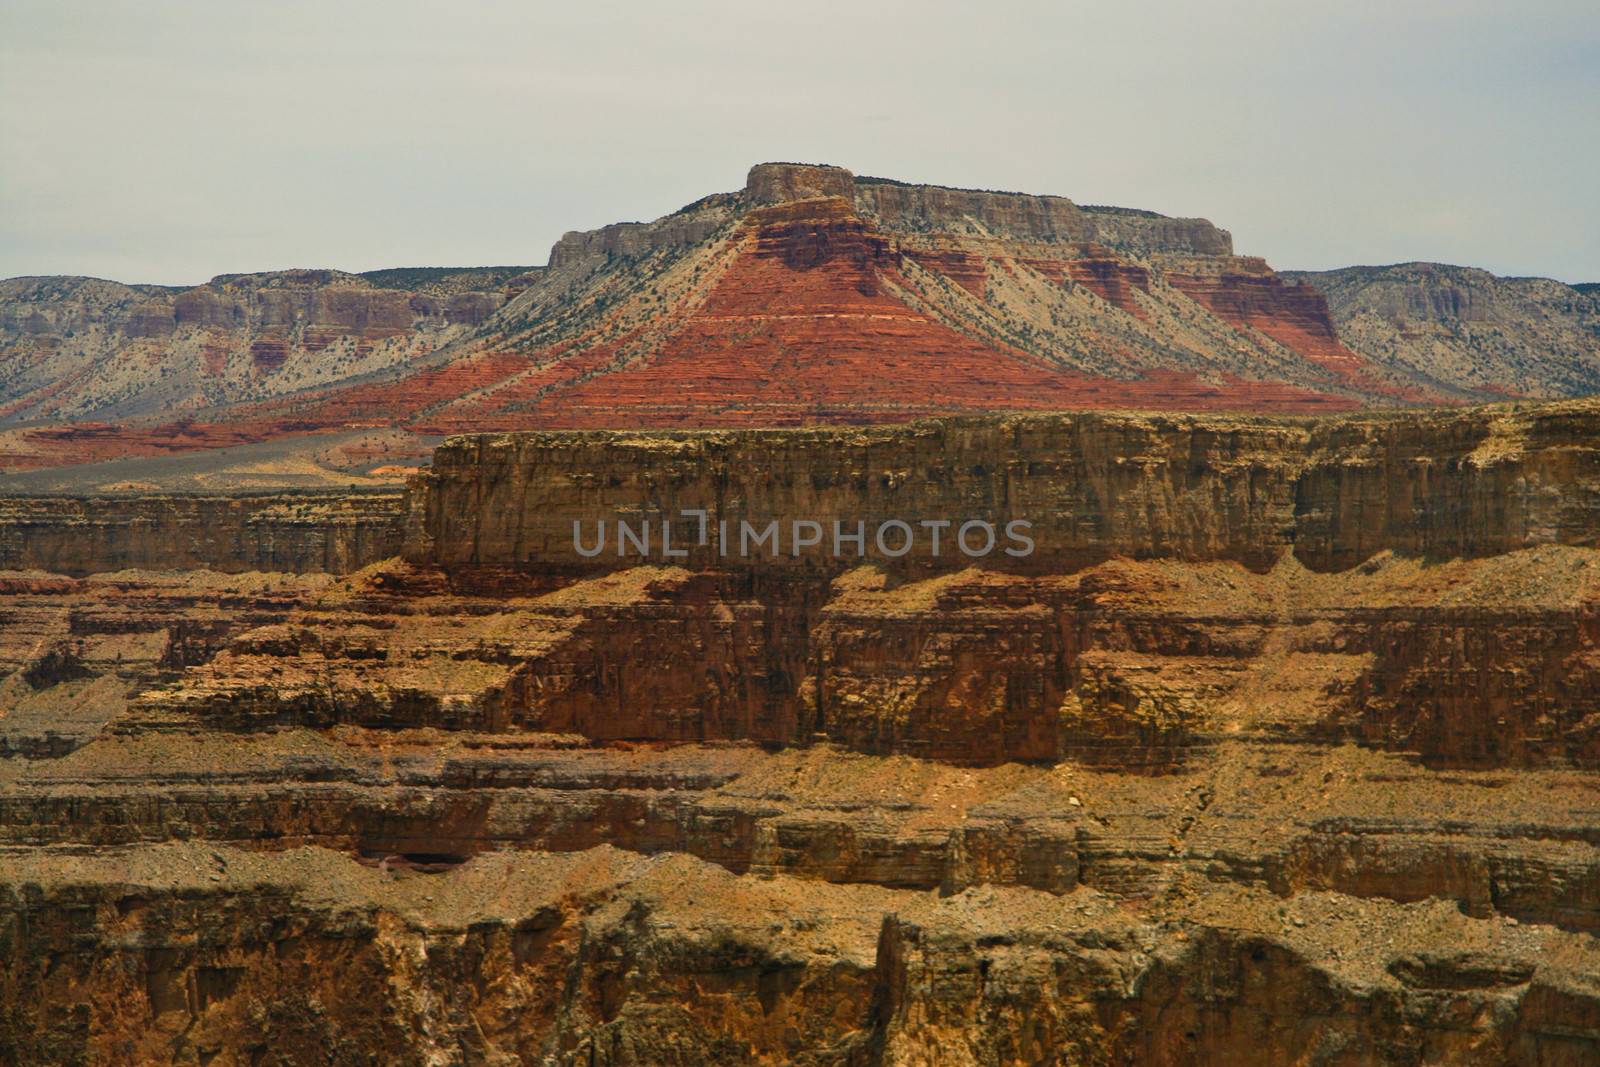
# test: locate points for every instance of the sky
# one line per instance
(166, 141)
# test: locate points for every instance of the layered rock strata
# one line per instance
(1529, 336)
(1089, 487)
(289, 532)
(1281, 747)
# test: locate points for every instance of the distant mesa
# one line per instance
(808, 296)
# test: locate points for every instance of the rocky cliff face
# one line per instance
(1480, 482)
(1286, 500)
(1090, 486)
(919, 209)
(1335, 492)
(814, 296)
(605, 958)
(293, 533)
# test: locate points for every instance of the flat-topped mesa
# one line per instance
(80, 349)
(909, 208)
(808, 297)
(328, 303)
(773, 183)
(1533, 336)
(917, 209)
(1088, 487)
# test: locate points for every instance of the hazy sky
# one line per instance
(166, 141)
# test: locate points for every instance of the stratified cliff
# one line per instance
(292, 532)
(1090, 487)
(815, 296)
(1280, 745)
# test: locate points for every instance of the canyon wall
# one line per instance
(807, 297)
(1090, 487)
(1280, 748)
(295, 532)
(607, 958)
(1468, 483)
(908, 208)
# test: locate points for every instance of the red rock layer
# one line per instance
(402, 401)
(270, 353)
(93, 442)
(806, 321)
(1295, 316)
(499, 403)
(1111, 279)
(803, 327)
(964, 268)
